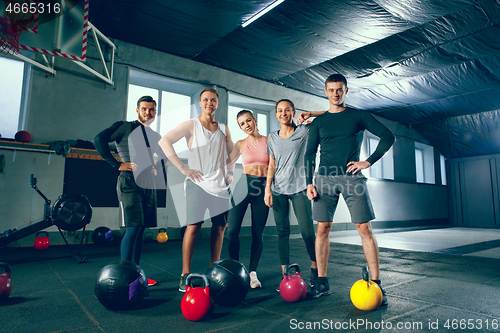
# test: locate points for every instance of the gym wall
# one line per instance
(75, 105)
(475, 191)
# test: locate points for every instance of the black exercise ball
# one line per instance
(229, 282)
(102, 236)
(121, 285)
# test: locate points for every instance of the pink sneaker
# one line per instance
(151, 282)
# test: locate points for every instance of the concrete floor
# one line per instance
(437, 280)
(476, 242)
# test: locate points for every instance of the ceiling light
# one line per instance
(262, 12)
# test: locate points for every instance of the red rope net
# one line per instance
(9, 37)
(11, 26)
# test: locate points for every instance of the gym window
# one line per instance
(134, 93)
(14, 83)
(383, 168)
(261, 110)
(442, 162)
(424, 163)
(174, 102)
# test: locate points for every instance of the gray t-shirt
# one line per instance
(289, 177)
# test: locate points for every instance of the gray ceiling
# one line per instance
(433, 65)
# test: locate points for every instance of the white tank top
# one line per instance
(208, 154)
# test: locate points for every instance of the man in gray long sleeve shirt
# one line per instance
(135, 142)
(339, 132)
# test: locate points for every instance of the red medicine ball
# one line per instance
(22, 136)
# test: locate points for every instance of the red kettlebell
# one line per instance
(5, 282)
(197, 302)
(292, 288)
(42, 240)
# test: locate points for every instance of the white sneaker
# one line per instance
(254, 282)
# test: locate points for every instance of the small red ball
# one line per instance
(23, 136)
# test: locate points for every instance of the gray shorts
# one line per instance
(197, 203)
(355, 192)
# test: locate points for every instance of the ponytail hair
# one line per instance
(242, 112)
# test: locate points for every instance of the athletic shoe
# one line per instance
(384, 297)
(182, 283)
(151, 282)
(314, 277)
(279, 284)
(320, 289)
(254, 282)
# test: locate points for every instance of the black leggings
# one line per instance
(131, 245)
(302, 209)
(248, 191)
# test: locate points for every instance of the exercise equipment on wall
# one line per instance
(70, 212)
(22, 136)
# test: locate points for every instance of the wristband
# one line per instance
(230, 173)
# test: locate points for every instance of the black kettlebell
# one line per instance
(5, 282)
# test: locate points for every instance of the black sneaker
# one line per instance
(314, 277)
(320, 289)
(384, 297)
(182, 283)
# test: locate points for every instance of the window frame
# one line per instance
(170, 85)
(442, 163)
(256, 105)
(25, 85)
(385, 165)
(428, 167)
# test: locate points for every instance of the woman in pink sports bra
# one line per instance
(249, 191)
